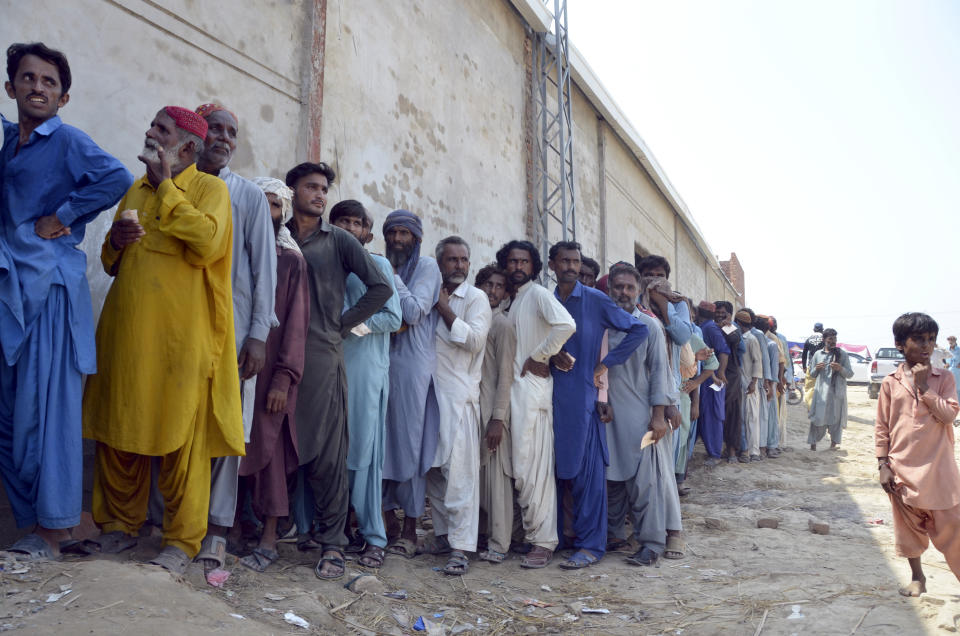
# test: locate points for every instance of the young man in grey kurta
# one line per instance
(639, 480)
(331, 254)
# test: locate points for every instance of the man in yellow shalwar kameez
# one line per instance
(167, 384)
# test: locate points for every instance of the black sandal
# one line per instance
(643, 556)
(372, 557)
(337, 561)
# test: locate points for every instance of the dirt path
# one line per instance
(732, 579)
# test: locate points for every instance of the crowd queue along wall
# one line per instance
(423, 105)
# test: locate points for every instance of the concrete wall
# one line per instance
(423, 110)
(129, 59)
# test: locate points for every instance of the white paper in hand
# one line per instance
(647, 440)
(360, 330)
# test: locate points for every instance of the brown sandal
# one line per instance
(538, 557)
(372, 557)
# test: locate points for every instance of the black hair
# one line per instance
(16, 52)
(762, 323)
(564, 245)
(486, 272)
(623, 268)
(829, 331)
(586, 261)
(528, 247)
(308, 168)
(652, 262)
(706, 314)
(349, 208)
(725, 305)
(913, 323)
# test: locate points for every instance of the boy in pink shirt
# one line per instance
(914, 438)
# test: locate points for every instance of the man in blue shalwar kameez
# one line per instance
(580, 442)
(55, 180)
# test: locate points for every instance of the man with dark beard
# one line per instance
(733, 400)
(412, 412)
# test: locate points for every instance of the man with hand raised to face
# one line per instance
(542, 326)
(253, 279)
(54, 180)
(578, 415)
(166, 330)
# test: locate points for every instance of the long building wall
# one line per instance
(423, 105)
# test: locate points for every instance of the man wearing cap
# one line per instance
(54, 180)
(413, 416)
(332, 254)
(713, 391)
(752, 369)
(253, 279)
(167, 385)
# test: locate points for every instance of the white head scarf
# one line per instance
(269, 185)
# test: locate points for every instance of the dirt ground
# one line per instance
(734, 580)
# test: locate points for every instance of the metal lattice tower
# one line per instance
(556, 205)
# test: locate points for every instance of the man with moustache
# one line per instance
(754, 390)
(412, 411)
(54, 180)
(166, 331)
(253, 279)
(542, 326)
(366, 353)
(640, 475)
(711, 399)
(497, 495)
(733, 400)
(580, 442)
(453, 483)
(332, 255)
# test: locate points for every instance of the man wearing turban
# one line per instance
(412, 411)
(167, 385)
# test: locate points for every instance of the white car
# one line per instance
(861, 369)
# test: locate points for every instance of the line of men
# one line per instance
(237, 319)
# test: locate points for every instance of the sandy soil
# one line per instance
(735, 580)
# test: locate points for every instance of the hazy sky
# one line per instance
(820, 141)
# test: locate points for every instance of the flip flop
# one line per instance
(108, 543)
(403, 547)
(260, 559)
(579, 560)
(33, 548)
(492, 556)
(212, 548)
(675, 546)
(172, 559)
(458, 564)
(337, 561)
(643, 556)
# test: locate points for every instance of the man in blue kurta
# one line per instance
(413, 417)
(580, 440)
(55, 180)
(366, 354)
(712, 401)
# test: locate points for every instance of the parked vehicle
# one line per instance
(886, 362)
(862, 368)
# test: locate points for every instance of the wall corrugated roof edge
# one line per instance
(540, 19)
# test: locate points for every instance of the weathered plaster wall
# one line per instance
(129, 58)
(586, 174)
(423, 110)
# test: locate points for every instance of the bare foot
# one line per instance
(915, 588)
(53, 537)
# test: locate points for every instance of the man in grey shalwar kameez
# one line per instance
(830, 368)
(412, 411)
(640, 479)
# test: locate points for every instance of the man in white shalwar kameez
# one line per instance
(453, 484)
(542, 327)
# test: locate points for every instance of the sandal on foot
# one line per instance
(307, 543)
(458, 564)
(492, 556)
(260, 559)
(337, 562)
(172, 559)
(675, 547)
(108, 543)
(213, 552)
(579, 560)
(643, 556)
(372, 557)
(436, 545)
(537, 558)
(403, 547)
(33, 548)
(357, 545)
(614, 544)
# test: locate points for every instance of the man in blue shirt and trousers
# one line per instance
(55, 180)
(579, 419)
